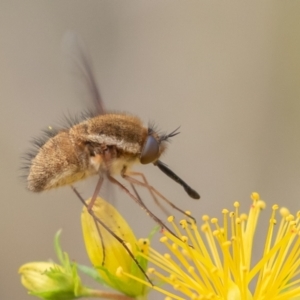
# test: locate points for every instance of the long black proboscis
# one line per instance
(192, 193)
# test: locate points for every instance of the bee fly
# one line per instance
(106, 144)
(103, 144)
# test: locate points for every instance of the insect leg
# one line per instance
(156, 201)
(139, 201)
(121, 241)
(152, 190)
(96, 193)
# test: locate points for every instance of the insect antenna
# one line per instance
(121, 241)
(166, 137)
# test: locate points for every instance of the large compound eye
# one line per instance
(150, 150)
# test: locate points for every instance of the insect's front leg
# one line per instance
(128, 176)
(154, 192)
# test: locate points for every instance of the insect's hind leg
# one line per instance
(91, 212)
(120, 240)
(95, 194)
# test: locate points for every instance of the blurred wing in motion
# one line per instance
(80, 64)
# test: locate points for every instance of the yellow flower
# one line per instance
(216, 261)
(107, 254)
(50, 281)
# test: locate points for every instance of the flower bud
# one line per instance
(50, 281)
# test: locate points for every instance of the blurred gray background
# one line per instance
(227, 72)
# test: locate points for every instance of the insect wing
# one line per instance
(80, 64)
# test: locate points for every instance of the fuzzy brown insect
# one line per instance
(108, 143)
(103, 144)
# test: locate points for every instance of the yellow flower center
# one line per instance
(215, 262)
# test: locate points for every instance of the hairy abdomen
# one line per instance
(58, 162)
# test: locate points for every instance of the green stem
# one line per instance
(107, 295)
